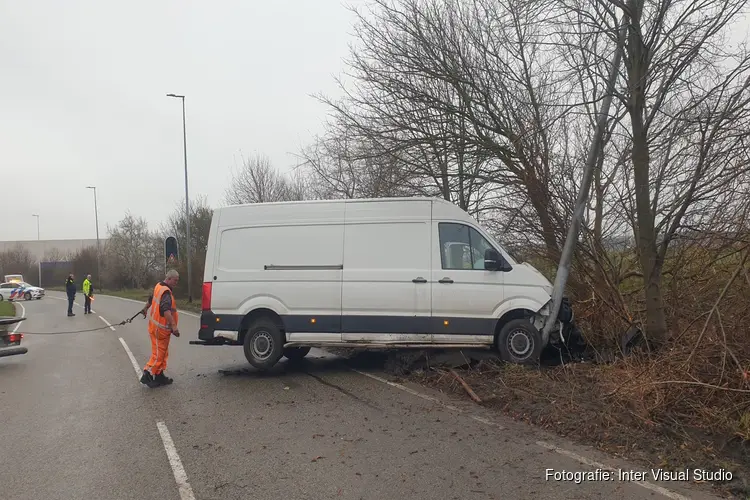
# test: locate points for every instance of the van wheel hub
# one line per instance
(262, 345)
(519, 343)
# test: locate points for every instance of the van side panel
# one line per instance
(387, 248)
(286, 258)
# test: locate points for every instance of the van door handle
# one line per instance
(446, 280)
(419, 280)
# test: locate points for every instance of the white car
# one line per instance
(15, 290)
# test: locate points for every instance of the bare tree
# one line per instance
(686, 96)
(467, 101)
(53, 255)
(135, 252)
(200, 225)
(18, 260)
(346, 164)
(258, 182)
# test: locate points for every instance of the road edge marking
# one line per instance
(598, 465)
(409, 390)
(23, 314)
(108, 323)
(132, 359)
(180, 476)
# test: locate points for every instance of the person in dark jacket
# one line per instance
(70, 289)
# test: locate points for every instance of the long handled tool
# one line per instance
(121, 323)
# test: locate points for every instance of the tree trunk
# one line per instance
(651, 263)
(637, 63)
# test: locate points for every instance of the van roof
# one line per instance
(345, 200)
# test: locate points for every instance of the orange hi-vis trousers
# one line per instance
(157, 363)
(158, 330)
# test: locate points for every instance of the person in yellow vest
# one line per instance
(162, 324)
(87, 292)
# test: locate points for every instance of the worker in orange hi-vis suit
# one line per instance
(162, 324)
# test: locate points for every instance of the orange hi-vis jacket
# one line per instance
(157, 324)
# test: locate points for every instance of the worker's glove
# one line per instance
(176, 332)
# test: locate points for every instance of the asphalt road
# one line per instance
(77, 424)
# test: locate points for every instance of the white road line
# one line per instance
(592, 463)
(132, 360)
(108, 323)
(410, 391)
(23, 313)
(487, 421)
(180, 476)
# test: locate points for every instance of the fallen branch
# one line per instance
(469, 390)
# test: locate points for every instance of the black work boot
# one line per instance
(162, 379)
(146, 377)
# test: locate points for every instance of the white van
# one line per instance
(396, 272)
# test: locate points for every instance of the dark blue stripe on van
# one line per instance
(357, 324)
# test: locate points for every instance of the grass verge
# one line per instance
(7, 308)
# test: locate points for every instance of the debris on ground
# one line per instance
(469, 390)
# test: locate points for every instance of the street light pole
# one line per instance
(37, 226)
(38, 238)
(98, 246)
(187, 199)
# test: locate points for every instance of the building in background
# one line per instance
(42, 250)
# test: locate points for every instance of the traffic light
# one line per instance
(171, 251)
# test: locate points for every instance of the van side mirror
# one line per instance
(493, 261)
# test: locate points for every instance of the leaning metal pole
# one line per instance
(187, 207)
(566, 258)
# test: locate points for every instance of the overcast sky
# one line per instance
(82, 101)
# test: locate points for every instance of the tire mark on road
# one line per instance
(345, 392)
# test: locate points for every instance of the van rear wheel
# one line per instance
(295, 353)
(263, 344)
(520, 342)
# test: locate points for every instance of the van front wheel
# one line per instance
(520, 342)
(263, 344)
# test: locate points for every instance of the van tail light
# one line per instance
(206, 296)
(15, 337)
